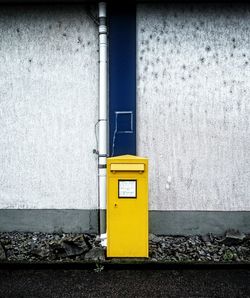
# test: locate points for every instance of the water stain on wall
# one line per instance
(48, 107)
(195, 76)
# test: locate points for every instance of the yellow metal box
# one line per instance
(127, 206)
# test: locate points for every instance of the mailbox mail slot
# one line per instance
(127, 206)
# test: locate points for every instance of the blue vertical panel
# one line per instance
(122, 79)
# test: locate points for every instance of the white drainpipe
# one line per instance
(102, 133)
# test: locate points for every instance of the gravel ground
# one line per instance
(59, 247)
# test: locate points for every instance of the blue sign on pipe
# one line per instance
(122, 79)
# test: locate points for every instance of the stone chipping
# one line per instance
(208, 248)
(68, 247)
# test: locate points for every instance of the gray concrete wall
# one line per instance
(193, 100)
(48, 107)
(160, 222)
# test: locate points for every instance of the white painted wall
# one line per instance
(193, 97)
(48, 107)
(193, 106)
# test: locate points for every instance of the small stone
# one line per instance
(57, 237)
(9, 246)
(206, 238)
(41, 253)
(220, 252)
(160, 250)
(233, 237)
(2, 253)
(74, 249)
(95, 254)
(202, 253)
(154, 238)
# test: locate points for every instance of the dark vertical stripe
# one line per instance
(122, 79)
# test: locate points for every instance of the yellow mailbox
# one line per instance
(127, 206)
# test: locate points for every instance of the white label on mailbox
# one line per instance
(127, 188)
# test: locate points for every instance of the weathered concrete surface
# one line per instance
(49, 220)
(198, 222)
(193, 105)
(48, 107)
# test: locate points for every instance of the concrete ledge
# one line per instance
(48, 220)
(160, 222)
(198, 222)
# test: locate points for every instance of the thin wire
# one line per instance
(92, 17)
(113, 143)
(96, 138)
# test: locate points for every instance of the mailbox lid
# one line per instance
(127, 163)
